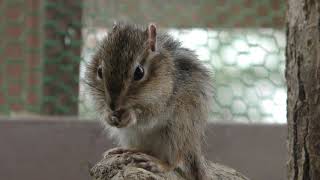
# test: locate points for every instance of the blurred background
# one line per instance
(48, 124)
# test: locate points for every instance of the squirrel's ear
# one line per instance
(152, 37)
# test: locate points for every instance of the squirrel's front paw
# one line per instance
(122, 118)
(148, 162)
(118, 150)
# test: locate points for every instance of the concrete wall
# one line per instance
(58, 149)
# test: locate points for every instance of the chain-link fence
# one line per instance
(20, 66)
(46, 46)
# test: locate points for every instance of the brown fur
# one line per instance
(165, 113)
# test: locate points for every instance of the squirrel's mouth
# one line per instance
(121, 118)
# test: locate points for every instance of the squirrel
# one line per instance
(153, 96)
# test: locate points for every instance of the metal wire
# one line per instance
(46, 45)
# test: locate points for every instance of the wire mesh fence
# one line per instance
(19, 62)
(47, 45)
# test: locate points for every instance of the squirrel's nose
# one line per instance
(116, 114)
(115, 120)
(112, 106)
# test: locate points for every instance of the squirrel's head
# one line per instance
(130, 77)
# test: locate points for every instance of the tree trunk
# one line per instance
(303, 80)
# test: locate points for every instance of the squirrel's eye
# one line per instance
(99, 72)
(138, 73)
